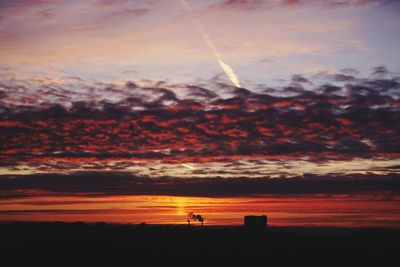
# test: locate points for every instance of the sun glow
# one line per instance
(310, 210)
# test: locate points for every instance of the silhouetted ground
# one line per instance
(80, 244)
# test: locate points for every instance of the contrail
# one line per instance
(188, 166)
(226, 68)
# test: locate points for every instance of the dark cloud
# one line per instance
(256, 4)
(2, 94)
(253, 4)
(350, 71)
(343, 78)
(5, 5)
(299, 79)
(200, 92)
(106, 183)
(109, 3)
(380, 70)
(349, 117)
(130, 12)
(45, 14)
(348, 145)
(330, 90)
(240, 4)
(337, 3)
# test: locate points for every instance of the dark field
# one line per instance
(80, 244)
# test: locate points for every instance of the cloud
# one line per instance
(299, 79)
(347, 117)
(6, 6)
(380, 71)
(255, 4)
(113, 183)
(109, 3)
(336, 3)
(45, 14)
(240, 4)
(130, 12)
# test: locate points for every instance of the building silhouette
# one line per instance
(255, 222)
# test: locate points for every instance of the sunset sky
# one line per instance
(128, 111)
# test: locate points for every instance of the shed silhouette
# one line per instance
(255, 222)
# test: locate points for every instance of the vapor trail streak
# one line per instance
(226, 68)
(187, 166)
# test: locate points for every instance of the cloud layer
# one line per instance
(109, 184)
(344, 117)
(253, 4)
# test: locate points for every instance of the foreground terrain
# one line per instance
(80, 244)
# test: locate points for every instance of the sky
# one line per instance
(109, 107)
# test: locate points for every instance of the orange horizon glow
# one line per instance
(314, 210)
